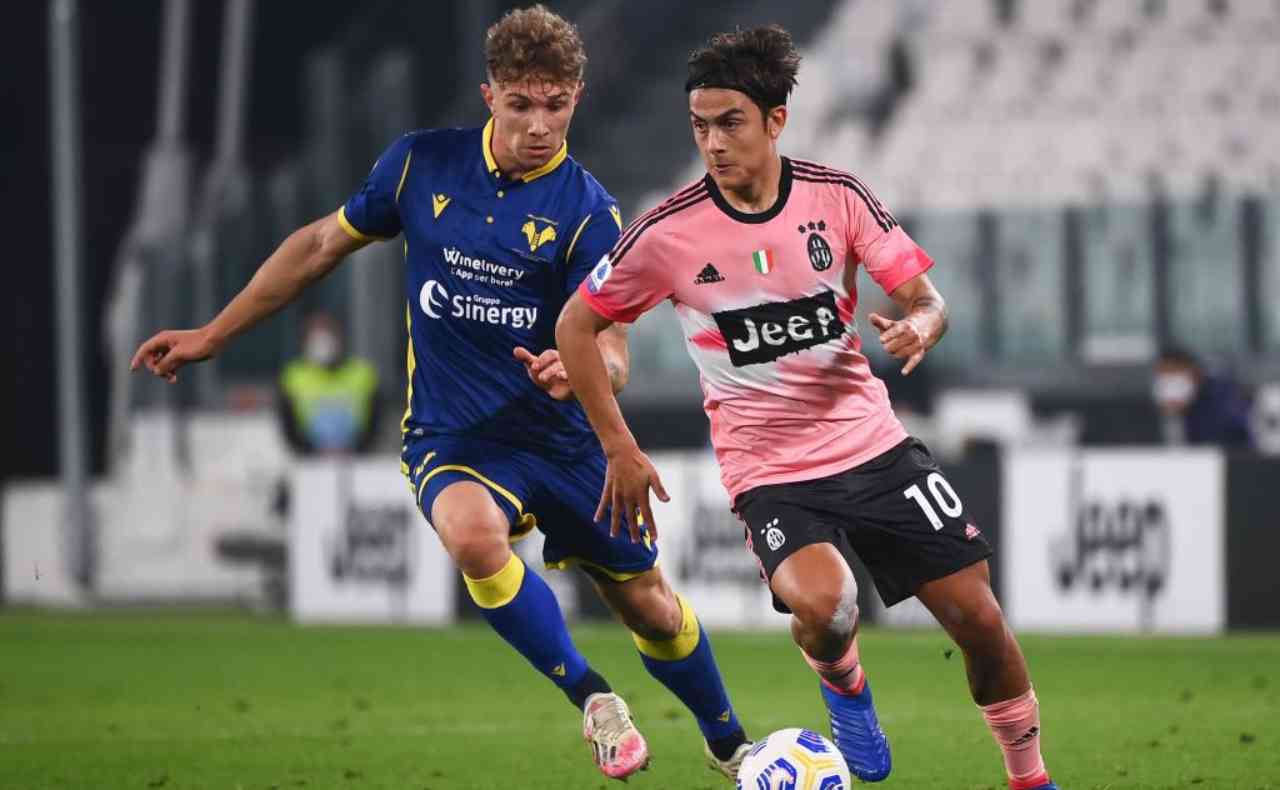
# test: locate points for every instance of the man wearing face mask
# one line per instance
(327, 404)
(1198, 408)
(328, 400)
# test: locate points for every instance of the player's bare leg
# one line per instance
(817, 586)
(472, 528)
(522, 609)
(965, 606)
(998, 680)
(677, 652)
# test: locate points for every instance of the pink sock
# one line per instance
(844, 675)
(1015, 724)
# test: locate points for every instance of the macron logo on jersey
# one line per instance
(765, 332)
(435, 301)
(596, 280)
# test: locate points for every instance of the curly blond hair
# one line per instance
(534, 42)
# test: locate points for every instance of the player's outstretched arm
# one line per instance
(923, 324)
(630, 474)
(308, 254)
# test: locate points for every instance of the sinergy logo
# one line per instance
(435, 301)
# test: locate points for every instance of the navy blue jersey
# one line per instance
(490, 262)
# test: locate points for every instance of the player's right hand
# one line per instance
(547, 371)
(627, 481)
(169, 350)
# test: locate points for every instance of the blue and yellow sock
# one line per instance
(687, 667)
(523, 610)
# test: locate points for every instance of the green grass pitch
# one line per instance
(214, 700)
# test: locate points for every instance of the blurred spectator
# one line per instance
(1198, 408)
(1266, 419)
(328, 404)
(328, 400)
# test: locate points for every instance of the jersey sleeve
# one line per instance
(374, 212)
(595, 235)
(889, 255)
(630, 279)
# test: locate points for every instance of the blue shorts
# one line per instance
(557, 497)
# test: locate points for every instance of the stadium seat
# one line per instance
(1045, 17)
(965, 19)
(1115, 15)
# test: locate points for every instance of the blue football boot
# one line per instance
(857, 734)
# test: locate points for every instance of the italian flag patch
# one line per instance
(764, 260)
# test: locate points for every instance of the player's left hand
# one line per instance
(627, 481)
(547, 371)
(903, 339)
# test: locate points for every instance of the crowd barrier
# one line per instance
(1087, 540)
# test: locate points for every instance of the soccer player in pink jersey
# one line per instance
(759, 258)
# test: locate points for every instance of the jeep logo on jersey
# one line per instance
(768, 331)
(435, 301)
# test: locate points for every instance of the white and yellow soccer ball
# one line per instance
(794, 759)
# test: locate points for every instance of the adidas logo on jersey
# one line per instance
(708, 275)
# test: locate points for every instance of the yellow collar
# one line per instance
(492, 164)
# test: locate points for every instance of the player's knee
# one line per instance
(827, 612)
(982, 629)
(667, 629)
(655, 616)
(473, 529)
(662, 626)
(479, 553)
(988, 621)
(480, 559)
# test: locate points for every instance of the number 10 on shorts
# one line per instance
(943, 494)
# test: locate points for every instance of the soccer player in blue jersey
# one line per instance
(500, 226)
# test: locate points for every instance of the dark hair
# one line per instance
(1178, 355)
(534, 42)
(761, 62)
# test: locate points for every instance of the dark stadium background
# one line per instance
(118, 88)
(118, 85)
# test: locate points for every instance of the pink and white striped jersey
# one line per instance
(766, 304)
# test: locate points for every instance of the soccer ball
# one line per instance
(794, 759)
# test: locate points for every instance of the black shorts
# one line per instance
(896, 513)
